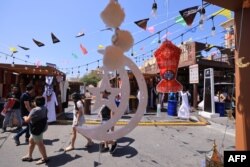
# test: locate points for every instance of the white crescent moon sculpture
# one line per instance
(100, 132)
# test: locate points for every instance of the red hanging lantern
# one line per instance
(167, 57)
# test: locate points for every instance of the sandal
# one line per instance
(69, 148)
(28, 159)
(42, 161)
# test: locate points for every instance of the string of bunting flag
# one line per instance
(84, 50)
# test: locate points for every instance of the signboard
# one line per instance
(194, 74)
(82, 89)
(187, 57)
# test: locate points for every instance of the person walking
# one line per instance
(78, 120)
(13, 113)
(37, 119)
(25, 106)
(106, 114)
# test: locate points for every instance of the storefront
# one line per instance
(204, 56)
(22, 75)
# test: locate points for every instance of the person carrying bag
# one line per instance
(37, 120)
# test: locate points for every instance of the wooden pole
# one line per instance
(242, 79)
(195, 95)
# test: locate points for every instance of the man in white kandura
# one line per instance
(184, 110)
(50, 103)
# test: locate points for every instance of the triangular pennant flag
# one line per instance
(74, 55)
(80, 34)
(110, 29)
(151, 29)
(54, 38)
(179, 19)
(224, 12)
(189, 14)
(24, 48)
(83, 49)
(142, 23)
(165, 35)
(155, 40)
(38, 43)
(100, 46)
(13, 49)
(38, 64)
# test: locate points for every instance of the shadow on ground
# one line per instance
(61, 159)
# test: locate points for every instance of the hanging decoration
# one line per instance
(38, 64)
(167, 57)
(74, 55)
(83, 49)
(224, 12)
(38, 43)
(13, 49)
(13, 62)
(80, 34)
(122, 39)
(202, 15)
(155, 40)
(213, 27)
(179, 19)
(24, 48)
(142, 23)
(107, 29)
(159, 37)
(151, 29)
(165, 35)
(100, 46)
(114, 59)
(54, 38)
(189, 14)
(154, 9)
(113, 15)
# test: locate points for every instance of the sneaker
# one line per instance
(16, 139)
(113, 148)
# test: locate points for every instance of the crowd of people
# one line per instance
(34, 114)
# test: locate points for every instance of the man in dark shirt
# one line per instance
(25, 106)
(14, 95)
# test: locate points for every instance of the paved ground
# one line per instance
(160, 145)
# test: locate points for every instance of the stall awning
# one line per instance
(31, 69)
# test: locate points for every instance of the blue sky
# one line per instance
(22, 20)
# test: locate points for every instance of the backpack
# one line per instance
(38, 127)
